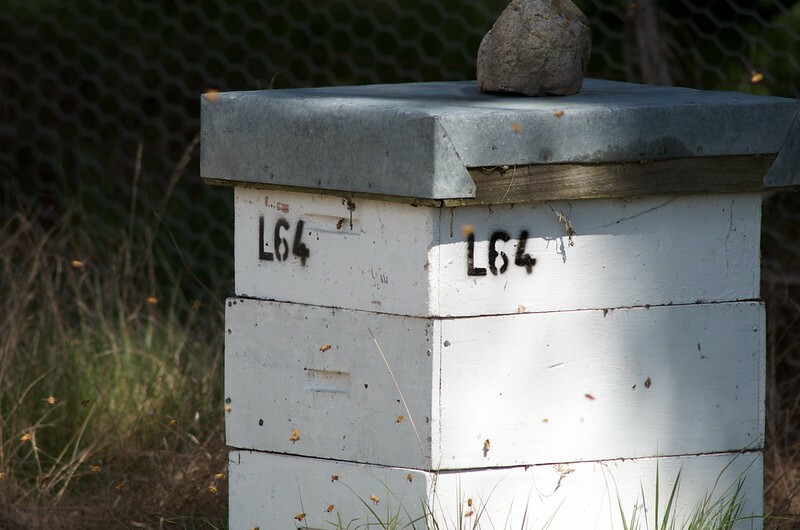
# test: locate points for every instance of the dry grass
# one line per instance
(110, 385)
(781, 291)
(110, 382)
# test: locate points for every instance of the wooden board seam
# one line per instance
(413, 201)
(461, 317)
(754, 450)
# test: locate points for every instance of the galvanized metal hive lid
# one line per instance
(418, 140)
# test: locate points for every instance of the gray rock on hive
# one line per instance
(536, 48)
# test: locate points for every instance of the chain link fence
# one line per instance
(99, 110)
(99, 114)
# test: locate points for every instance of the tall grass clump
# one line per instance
(713, 512)
(780, 288)
(110, 382)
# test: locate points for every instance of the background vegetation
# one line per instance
(110, 385)
(114, 256)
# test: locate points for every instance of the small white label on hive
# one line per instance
(327, 381)
(333, 224)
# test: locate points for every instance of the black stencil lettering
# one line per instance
(262, 254)
(471, 270)
(280, 241)
(522, 259)
(502, 236)
(300, 249)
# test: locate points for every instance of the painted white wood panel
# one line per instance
(396, 258)
(268, 491)
(541, 387)
(591, 385)
(363, 254)
(317, 370)
(652, 250)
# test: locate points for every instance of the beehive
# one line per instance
(534, 304)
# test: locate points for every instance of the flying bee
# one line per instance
(374, 499)
(329, 509)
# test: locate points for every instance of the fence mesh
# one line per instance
(99, 109)
(101, 98)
